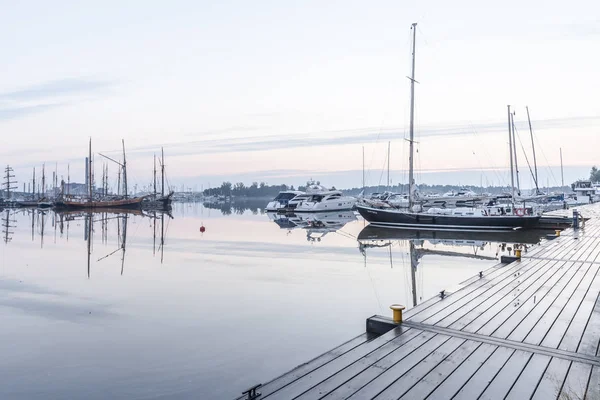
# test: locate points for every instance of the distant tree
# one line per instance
(595, 174)
(226, 188)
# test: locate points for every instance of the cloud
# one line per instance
(45, 96)
(344, 137)
(54, 89)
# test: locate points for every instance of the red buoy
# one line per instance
(202, 228)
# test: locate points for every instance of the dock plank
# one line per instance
(520, 323)
(401, 344)
(457, 378)
(396, 371)
(464, 294)
(311, 365)
(484, 375)
(476, 296)
(557, 332)
(429, 382)
(590, 341)
(321, 373)
(576, 383)
(525, 385)
(554, 375)
(504, 301)
(416, 374)
(593, 390)
(504, 379)
(374, 370)
(517, 308)
(581, 318)
(542, 331)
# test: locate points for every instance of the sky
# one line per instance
(282, 91)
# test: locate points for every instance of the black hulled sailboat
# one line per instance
(476, 219)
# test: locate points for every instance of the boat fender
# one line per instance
(520, 212)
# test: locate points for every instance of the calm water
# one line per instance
(165, 311)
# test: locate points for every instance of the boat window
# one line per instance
(285, 196)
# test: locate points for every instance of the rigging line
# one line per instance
(545, 158)
(487, 154)
(525, 154)
(373, 285)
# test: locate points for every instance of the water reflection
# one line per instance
(316, 225)
(94, 221)
(240, 206)
(485, 246)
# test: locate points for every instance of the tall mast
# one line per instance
(43, 180)
(363, 176)
(68, 178)
(562, 175)
(510, 150)
(412, 123)
(154, 175)
(515, 150)
(124, 170)
(91, 194)
(33, 194)
(533, 148)
(162, 171)
(388, 168)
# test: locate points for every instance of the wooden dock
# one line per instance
(525, 330)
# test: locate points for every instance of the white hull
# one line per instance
(343, 203)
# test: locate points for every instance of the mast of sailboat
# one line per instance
(68, 178)
(562, 175)
(154, 175)
(124, 171)
(514, 140)
(43, 180)
(162, 171)
(537, 189)
(412, 120)
(413, 269)
(33, 194)
(510, 150)
(363, 171)
(388, 168)
(90, 192)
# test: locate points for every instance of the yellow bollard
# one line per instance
(557, 232)
(397, 316)
(518, 253)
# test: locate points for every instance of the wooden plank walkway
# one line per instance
(526, 330)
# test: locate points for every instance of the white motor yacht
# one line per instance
(332, 200)
(282, 199)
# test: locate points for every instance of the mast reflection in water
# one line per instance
(473, 245)
(104, 219)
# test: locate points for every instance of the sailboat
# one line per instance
(106, 201)
(490, 217)
(159, 201)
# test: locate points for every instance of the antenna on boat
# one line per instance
(412, 123)
(510, 150)
(537, 189)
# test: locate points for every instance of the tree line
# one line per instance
(240, 190)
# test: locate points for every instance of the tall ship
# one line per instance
(491, 217)
(102, 200)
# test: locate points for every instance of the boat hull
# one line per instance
(133, 203)
(396, 219)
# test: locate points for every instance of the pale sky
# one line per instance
(283, 91)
